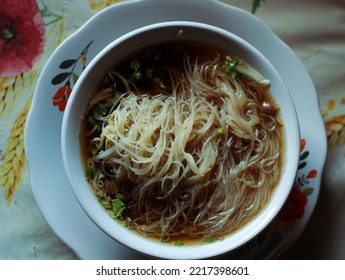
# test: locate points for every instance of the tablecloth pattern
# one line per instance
(31, 30)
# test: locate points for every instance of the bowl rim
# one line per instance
(132, 239)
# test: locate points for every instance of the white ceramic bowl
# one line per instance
(96, 71)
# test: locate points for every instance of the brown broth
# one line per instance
(172, 58)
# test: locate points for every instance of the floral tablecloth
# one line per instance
(31, 30)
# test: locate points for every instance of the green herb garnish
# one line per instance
(106, 204)
(210, 239)
(230, 66)
(101, 110)
(144, 64)
(179, 243)
(91, 172)
(118, 207)
(115, 206)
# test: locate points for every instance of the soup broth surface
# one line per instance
(183, 143)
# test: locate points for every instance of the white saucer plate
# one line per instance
(43, 128)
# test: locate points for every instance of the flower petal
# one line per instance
(302, 144)
(312, 174)
(21, 51)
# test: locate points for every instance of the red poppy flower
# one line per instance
(61, 96)
(21, 36)
(293, 208)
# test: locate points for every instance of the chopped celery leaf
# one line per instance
(90, 172)
(118, 207)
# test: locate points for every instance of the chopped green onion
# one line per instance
(137, 75)
(91, 120)
(91, 172)
(111, 213)
(90, 163)
(100, 193)
(158, 55)
(101, 110)
(120, 196)
(230, 66)
(106, 204)
(149, 73)
(118, 207)
(179, 243)
(100, 183)
(135, 64)
(210, 239)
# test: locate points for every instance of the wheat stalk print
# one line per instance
(8, 86)
(101, 4)
(12, 159)
(13, 164)
(5, 84)
(335, 129)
